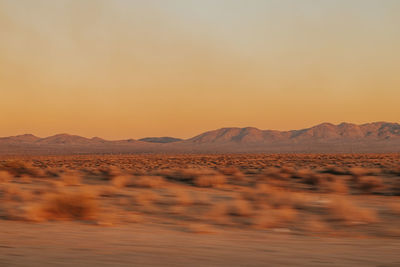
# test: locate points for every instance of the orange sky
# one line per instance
(129, 69)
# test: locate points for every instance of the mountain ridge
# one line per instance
(324, 137)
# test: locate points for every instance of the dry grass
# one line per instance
(295, 193)
(343, 209)
(148, 181)
(369, 184)
(210, 180)
(5, 177)
(71, 178)
(68, 206)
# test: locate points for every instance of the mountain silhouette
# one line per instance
(322, 138)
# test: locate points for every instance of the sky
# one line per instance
(130, 69)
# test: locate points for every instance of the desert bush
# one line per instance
(303, 173)
(108, 191)
(146, 200)
(19, 168)
(358, 171)
(5, 176)
(52, 172)
(71, 178)
(394, 207)
(231, 171)
(188, 175)
(337, 186)
(369, 184)
(269, 195)
(219, 213)
(181, 197)
(147, 181)
(342, 209)
(109, 172)
(68, 206)
(13, 192)
(240, 207)
(121, 181)
(316, 225)
(271, 171)
(273, 218)
(210, 180)
(314, 179)
(336, 170)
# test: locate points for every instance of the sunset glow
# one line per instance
(130, 69)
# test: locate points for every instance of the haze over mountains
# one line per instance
(322, 138)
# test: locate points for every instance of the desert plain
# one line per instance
(200, 210)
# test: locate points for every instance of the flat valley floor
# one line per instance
(200, 210)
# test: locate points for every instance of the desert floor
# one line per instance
(200, 210)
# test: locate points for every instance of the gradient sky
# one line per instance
(130, 69)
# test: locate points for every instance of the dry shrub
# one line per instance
(12, 192)
(337, 186)
(177, 210)
(108, 191)
(55, 185)
(176, 196)
(335, 170)
(52, 172)
(310, 177)
(146, 199)
(209, 180)
(230, 171)
(276, 174)
(71, 178)
(202, 199)
(369, 184)
(25, 179)
(358, 172)
(316, 225)
(394, 207)
(271, 172)
(288, 169)
(273, 218)
(110, 171)
(68, 206)
(303, 173)
(265, 194)
(5, 177)
(148, 181)
(241, 208)
(218, 213)
(188, 175)
(121, 181)
(19, 168)
(182, 197)
(342, 209)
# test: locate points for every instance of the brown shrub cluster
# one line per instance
(315, 193)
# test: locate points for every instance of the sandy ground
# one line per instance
(200, 210)
(77, 244)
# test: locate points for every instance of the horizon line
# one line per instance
(233, 127)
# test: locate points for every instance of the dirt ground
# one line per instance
(200, 210)
(74, 244)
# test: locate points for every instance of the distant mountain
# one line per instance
(322, 132)
(66, 139)
(322, 138)
(162, 140)
(25, 138)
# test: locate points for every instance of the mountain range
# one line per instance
(322, 138)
